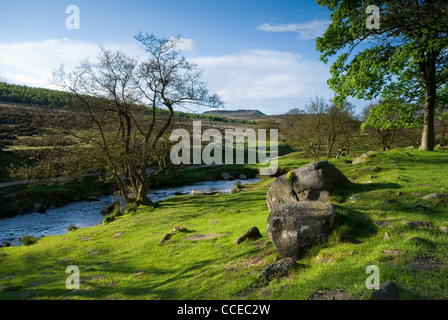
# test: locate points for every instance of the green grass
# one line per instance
(125, 259)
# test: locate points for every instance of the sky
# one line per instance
(255, 54)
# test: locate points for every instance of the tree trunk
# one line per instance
(428, 70)
(428, 137)
(142, 196)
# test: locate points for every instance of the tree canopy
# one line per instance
(406, 58)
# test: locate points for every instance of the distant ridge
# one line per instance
(239, 114)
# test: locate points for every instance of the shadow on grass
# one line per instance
(140, 283)
(351, 226)
(359, 188)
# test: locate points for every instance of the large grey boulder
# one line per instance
(314, 181)
(295, 226)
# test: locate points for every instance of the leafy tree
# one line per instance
(386, 118)
(121, 115)
(406, 58)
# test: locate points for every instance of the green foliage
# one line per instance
(237, 187)
(34, 96)
(108, 219)
(117, 213)
(290, 177)
(407, 59)
(391, 114)
(131, 208)
(28, 240)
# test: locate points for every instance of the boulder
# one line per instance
(295, 226)
(314, 181)
(280, 267)
(242, 176)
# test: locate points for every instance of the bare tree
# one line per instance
(129, 107)
(320, 129)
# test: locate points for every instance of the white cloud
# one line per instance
(31, 63)
(307, 30)
(185, 45)
(271, 81)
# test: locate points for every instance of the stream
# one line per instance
(84, 214)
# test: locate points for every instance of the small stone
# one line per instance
(227, 176)
(39, 207)
(166, 237)
(382, 223)
(195, 192)
(386, 236)
(252, 233)
(355, 199)
(178, 229)
(363, 158)
(387, 291)
(388, 202)
(443, 229)
(417, 207)
(417, 224)
(434, 196)
(392, 253)
(330, 295)
(278, 268)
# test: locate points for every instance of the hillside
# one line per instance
(126, 259)
(237, 114)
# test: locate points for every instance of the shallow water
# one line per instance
(85, 214)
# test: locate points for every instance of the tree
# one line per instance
(125, 109)
(407, 58)
(322, 128)
(386, 118)
(340, 126)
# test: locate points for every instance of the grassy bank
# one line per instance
(126, 259)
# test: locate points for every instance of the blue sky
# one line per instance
(256, 54)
